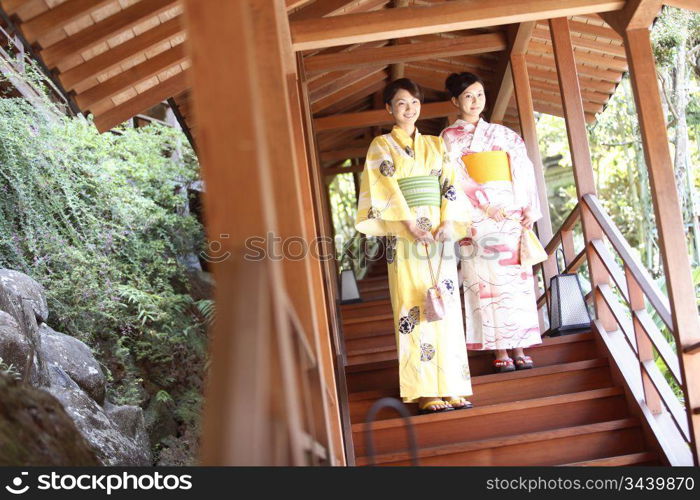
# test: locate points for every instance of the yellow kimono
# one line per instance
(432, 355)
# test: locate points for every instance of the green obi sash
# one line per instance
(421, 190)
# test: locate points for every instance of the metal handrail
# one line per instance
(401, 410)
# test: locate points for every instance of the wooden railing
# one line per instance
(264, 400)
(628, 330)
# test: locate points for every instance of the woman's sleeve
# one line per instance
(454, 206)
(381, 210)
(523, 172)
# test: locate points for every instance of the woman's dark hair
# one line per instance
(402, 83)
(457, 82)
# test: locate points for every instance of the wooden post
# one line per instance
(672, 240)
(645, 350)
(580, 156)
(526, 115)
(247, 144)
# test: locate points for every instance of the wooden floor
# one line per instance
(566, 411)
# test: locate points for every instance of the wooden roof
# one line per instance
(120, 57)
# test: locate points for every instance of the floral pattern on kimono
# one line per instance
(499, 294)
(432, 355)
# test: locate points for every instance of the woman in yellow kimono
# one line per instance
(408, 194)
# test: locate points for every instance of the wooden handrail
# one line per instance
(635, 285)
(641, 275)
(567, 225)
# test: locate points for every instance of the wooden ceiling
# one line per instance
(118, 58)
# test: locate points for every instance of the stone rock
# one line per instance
(105, 437)
(131, 421)
(16, 286)
(36, 431)
(75, 358)
(14, 346)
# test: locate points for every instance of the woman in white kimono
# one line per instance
(498, 178)
(407, 194)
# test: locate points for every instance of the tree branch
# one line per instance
(671, 107)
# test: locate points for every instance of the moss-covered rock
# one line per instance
(35, 429)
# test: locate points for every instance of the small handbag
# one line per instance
(531, 250)
(434, 307)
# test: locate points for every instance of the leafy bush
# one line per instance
(98, 220)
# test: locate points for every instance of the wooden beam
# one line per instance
(580, 157)
(669, 220)
(104, 30)
(76, 76)
(365, 86)
(473, 44)
(439, 18)
(143, 101)
(583, 57)
(598, 46)
(343, 82)
(378, 117)
(319, 8)
(588, 95)
(547, 60)
(636, 14)
(57, 17)
(528, 128)
(12, 6)
(595, 30)
(518, 41)
(132, 77)
(549, 74)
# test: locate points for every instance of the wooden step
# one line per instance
(374, 288)
(383, 347)
(369, 326)
(643, 458)
(378, 369)
(507, 387)
(365, 308)
(490, 421)
(550, 447)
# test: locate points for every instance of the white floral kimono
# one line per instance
(499, 297)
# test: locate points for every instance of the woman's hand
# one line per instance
(495, 212)
(445, 232)
(526, 219)
(418, 233)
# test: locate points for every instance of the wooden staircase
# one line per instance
(566, 411)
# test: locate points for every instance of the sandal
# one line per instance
(425, 407)
(523, 363)
(460, 403)
(503, 365)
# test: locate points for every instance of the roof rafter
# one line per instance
(104, 30)
(443, 17)
(473, 44)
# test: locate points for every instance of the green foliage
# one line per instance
(97, 220)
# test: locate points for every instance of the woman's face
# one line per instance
(405, 108)
(471, 102)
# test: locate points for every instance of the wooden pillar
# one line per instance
(528, 128)
(580, 156)
(245, 108)
(672, 238)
